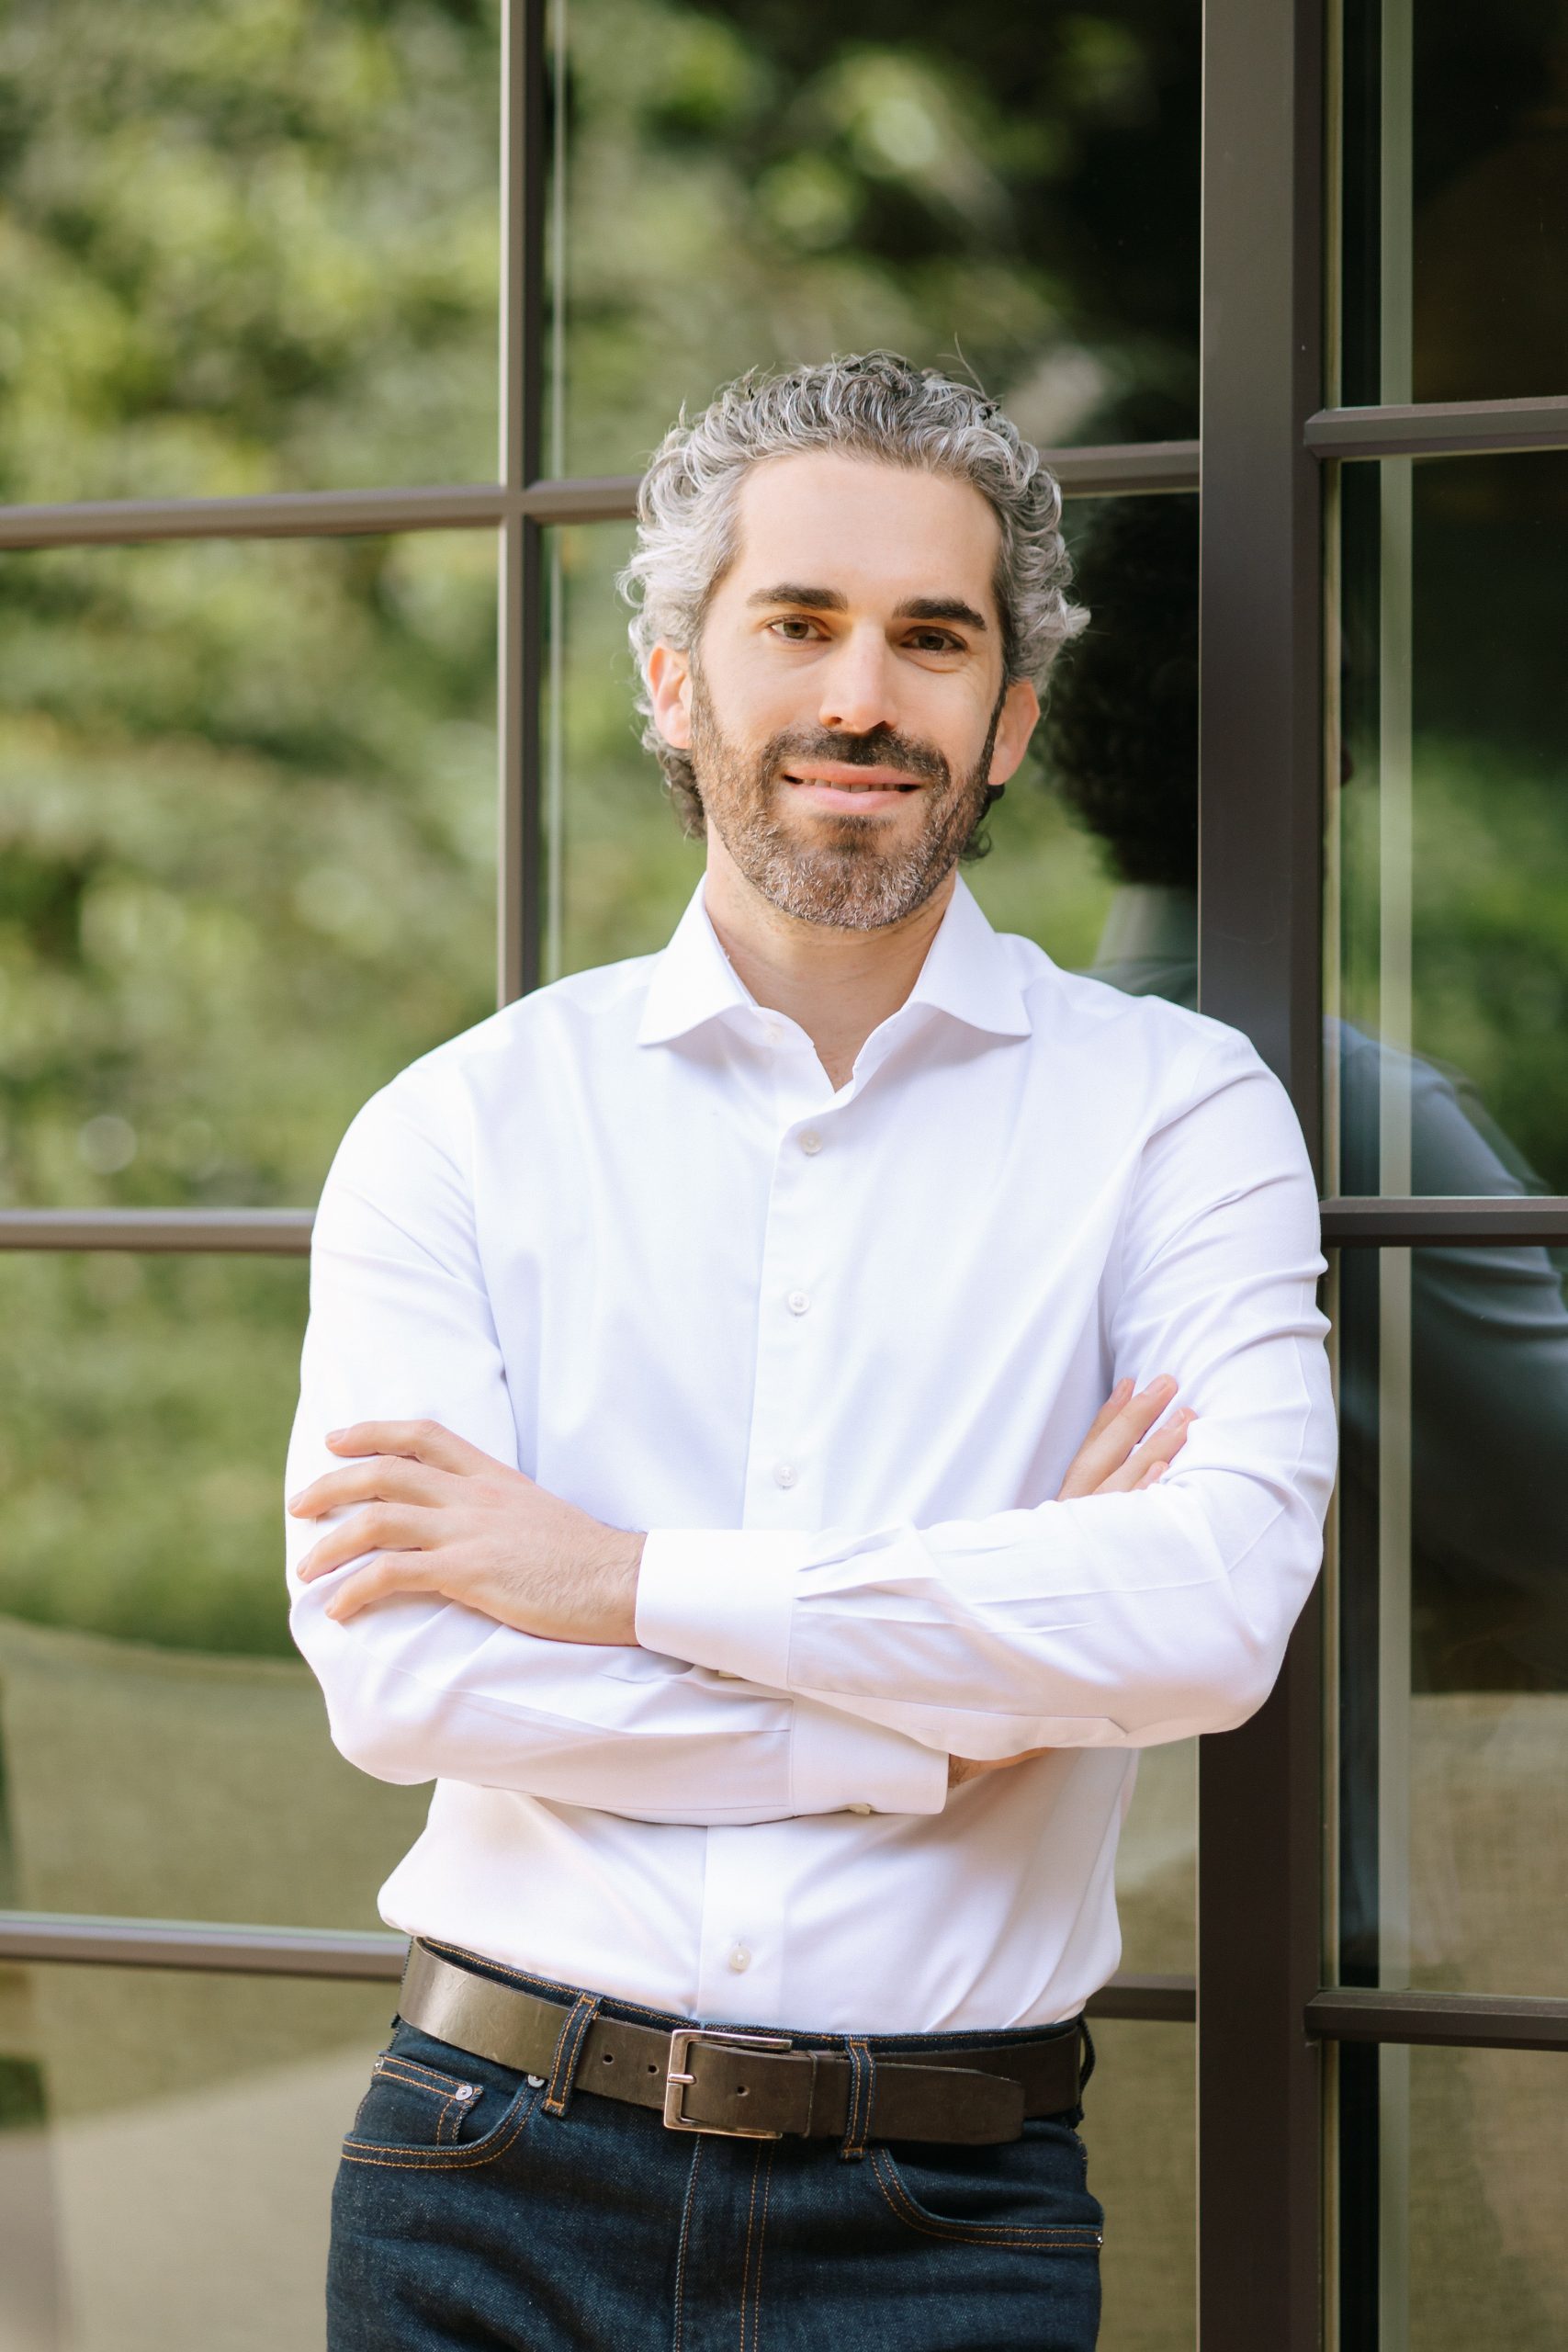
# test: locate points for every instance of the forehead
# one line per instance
(878, 533)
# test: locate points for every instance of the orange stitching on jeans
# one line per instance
(584, 2011)
(858, 2125)
(419, 2078)
(681, 2250)
(761, 2247)
(1037, 2234)
(746, 2261)
(483, 2153)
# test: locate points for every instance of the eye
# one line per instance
(791, 622)
(936, 640)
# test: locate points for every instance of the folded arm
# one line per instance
(1116, 1620)
(422, 1687)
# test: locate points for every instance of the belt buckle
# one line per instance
(676, 2077)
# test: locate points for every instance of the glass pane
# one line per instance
(247, 802)
(1015, 194)
(167, 2147)
(247, 248)
(1140, 2128)
(1448, 948)
(1456, 201)
(1455, 2208)
(162, 1750)
(1156, 1865)
(1453, 1585)
(1093, 852)
(618, 869)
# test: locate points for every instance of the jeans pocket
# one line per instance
(1026, 2192)
(431, 2105)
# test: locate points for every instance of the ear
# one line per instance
(670, 691)
(1021, 713)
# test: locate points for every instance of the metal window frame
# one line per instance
(1265, 2019)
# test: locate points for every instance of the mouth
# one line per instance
(860, 790)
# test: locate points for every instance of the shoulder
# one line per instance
(438, 1100)
(1172, 1050)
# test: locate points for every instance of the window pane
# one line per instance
(618, 869)
(247, 248)
(167, 2146)
(1156, 1865)
(247, 801)
(1451, 2168)
(1448, 949)
(163, 1751)
(1093, 851)
(1456, 201)
(1017, 195)
(1453, 1602)
(1140, 2128)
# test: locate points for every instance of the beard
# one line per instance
(842, 872)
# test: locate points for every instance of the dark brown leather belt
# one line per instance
(747, 2086)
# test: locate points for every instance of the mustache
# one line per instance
(885, 747)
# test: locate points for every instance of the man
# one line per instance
(700, 1358)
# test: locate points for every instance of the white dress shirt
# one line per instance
(835, 1349)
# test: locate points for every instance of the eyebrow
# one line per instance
(914, 608)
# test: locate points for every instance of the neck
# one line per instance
(838, 985)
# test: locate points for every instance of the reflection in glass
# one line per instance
(247, 807)
(1140, 2128)
(1455, 202)
(167, 2146)
(618, 868)
(163, 1749)
(1017, 195)
(247, 248)
(1474, 2221)
(1448, 844)
(1454, 1602)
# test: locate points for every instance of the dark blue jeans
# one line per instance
(465, 2215)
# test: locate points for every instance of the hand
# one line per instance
(1111, 1461)
(450, 1519)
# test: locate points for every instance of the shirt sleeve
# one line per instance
(419, 1687)
(1112, 1620)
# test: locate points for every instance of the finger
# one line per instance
(419, 1441)
(384, 1478)
(391, 1524)
(381, 1578)
(1120, 1395)
(1108, 1446)
(1157, 1451)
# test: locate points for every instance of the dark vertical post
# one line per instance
(1260, 2128)
(521, 653)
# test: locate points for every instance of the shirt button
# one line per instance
(783, 1474)
(857, 1808)
(740, 1960)
(811, 1140)
(799, 1300)
(774, 1034)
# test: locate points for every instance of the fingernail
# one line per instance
(333, 1435)
(295, 1500)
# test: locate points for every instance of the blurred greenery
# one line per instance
(745, 182)
(247, 791)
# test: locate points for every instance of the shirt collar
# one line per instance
(968, 974)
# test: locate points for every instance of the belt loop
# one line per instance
(568, 2050)
(1086, 2054)
(862, 2092)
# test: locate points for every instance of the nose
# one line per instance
(857, 685)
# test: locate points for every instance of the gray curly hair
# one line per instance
(877, 405)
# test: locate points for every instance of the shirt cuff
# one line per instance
(721, 1598)
(838, 1764)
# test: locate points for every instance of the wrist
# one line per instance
(622, 1568)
